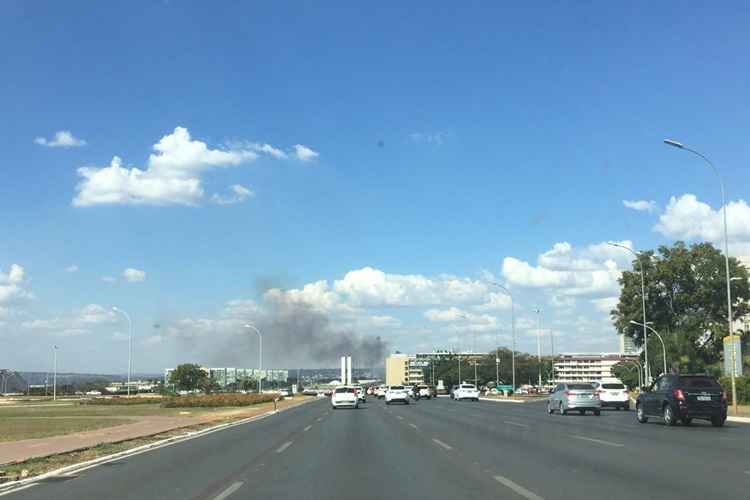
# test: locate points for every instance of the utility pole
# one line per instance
(539, 344)
(54, 368)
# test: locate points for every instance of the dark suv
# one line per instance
(682, 398)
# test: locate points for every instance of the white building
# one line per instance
(581, 367)
(627, 346)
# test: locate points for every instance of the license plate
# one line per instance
(704, 398)
(614, 393)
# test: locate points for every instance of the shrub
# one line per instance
(217, 400)
(743, 388)
(121, 401)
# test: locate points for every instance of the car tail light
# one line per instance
(678, 394)
(596, 394)
(625, 391)
(600, 391)
(568, 393)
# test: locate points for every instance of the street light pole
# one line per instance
(54, 371)
(663, 348)
(639, 258)
(679, 145)
(539, 344)
(260, 357)
(513, 332)
(130, 342)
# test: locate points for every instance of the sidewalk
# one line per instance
(19, 451)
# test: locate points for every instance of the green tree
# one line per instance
(189, 377)
(685, 303)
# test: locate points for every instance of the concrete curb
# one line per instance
(742, 420)
(12, 486)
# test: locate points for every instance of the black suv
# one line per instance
(682, 398)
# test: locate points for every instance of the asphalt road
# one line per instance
(437, 449)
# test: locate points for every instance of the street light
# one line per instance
(663, 349)
(130, 342)
(638, 257)
(54, 370)
(539, 344)
(260, 356)
(679, 145)
(513, 331)
(640, 371)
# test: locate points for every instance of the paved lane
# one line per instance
(437, 449)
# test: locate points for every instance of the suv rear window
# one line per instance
(581, 387)
(343, 390)
(613, 386)
(699, 383)
(397, 387)
(468, 386)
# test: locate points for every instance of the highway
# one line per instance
(436, 449)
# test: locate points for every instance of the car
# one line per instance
(682, 398)
(361, 396)
(453, 391)
(613, 395)
(370, 391)
(396, 393)
(345, 396)
(284, 393)
(581, 397)
(424, 391)
(466, 391)
(380, 391)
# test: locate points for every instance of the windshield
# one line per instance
(699, 383)
(397, 387)
(580, 387)
(613, 386)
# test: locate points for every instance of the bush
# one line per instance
(218, 400)
(743, 388)
(121, 401)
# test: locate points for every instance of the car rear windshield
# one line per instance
(699, 383)
(467, 386)
(344, 390)
(580, 387)
(397, 387)
(613, 386)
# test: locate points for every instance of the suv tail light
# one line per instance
(678, 394)
(596, 394)
(568, 393)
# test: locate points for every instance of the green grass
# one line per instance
(77, 410)
(17, 428)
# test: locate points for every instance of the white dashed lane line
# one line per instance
(520, 490)
(399, 417)
(598, 441)
(412, 425)
(307, 428)
(440, 443)
(231, 489)
(284, 446)
(517, 424)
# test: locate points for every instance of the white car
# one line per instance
(344, 397)
(396, 393)
(360, 393)
(613, 394)
(284, 393)
(380, 391)
(466, 391)
(424, 391)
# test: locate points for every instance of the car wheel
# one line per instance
(626, 407)
(687, 421)
(476, 400)
(406, 402)
(618, 408)
(597, 413)
(581, 412)
(387, 402)
(669, 418)
(549, 408)
(562, 410)
(718, 421)
(640, 415)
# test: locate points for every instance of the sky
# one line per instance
(201, 166)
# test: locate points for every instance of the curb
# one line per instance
(68, 469)
(742, 420)
(503, 400)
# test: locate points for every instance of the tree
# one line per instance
(685, 302)
(188, 377)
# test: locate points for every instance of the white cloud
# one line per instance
(238, 194)
(173, 175)
(640, 205)
(303, 153)
(688, 218)
(62, 139)
(71, 269)
(132, 275)
(605, 304)
(269, 150)
(77, 323)
(108, 279)
(12, 284)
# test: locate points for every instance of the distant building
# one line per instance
(226, 377)
(627, 346)
(576, 367)
(411, 369)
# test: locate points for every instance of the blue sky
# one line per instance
(441, 143)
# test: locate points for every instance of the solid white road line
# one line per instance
(599, 441)
(284, 446)
(399, 417)
(440, 443)
(520, 490)
(307, 428)
(231, 489)
(510, 422)
(412, 425)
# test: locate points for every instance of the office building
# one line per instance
(577, 367)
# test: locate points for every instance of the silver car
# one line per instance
(569, 397)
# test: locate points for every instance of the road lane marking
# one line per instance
(440, 443)
(510, 422)
(307, 428)
(530, 495)
(319, 419)
(231, 489)
(599, 441)
(412, 425)
(284, 446)
(399, 417)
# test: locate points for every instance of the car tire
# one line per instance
(562, 410)
(626, 407)
(718, 421)
(668, 415)
(640, 415)
(581, 412)
(406, 402)
(618, 408)
(687, 421)
(388, 402)
(549, 409)
(476, 400)
(597, 413)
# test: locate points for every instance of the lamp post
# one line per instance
(513, 332)
(640, 371)
(539, 344)
(638, 257)
(663, 348)
(130, 342)
(260, 356)
(54, 371)
(679, 145)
